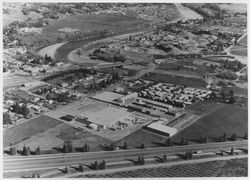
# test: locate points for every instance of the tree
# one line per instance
(66, 170)
(24, 110)
(95, 166)
(16, 108)
(80, 167)
(224, 139)
(245, 136)
(184, 141)
(234, 137)
(168, 142)
(205, 140)
(232, 100)
(222, 93)
(37, 151)
(104, 164)
(67, 147)
(13, 150)
(6, 118)
(26, 151)
(189, 155)
(125, 146)
(142, 160)
(164, 158)
(201, 140)
(232, 151)
(142, 146)
(33, 175)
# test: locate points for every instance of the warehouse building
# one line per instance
(161, 128)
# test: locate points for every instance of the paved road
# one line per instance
(32, 163)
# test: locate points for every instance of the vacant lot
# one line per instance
(172, 79)
(142, 136)
(202, 107)
(228, 118)
(219, 168)
(26, 130)
(54, 138)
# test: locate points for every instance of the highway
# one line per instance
(32, 163)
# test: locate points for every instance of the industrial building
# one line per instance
(161, 128)
(110, 117)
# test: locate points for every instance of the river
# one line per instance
(61, 51)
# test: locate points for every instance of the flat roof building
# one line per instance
(160, 128)
(109, 116)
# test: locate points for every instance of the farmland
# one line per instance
(229, 119)
(218, 168)
(26, 130)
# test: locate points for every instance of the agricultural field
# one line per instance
(26, 130)
(217, 168)
(243, 40)
(227, 118)
(240, 50)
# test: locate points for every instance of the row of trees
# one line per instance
(25, 152)
(68, 147)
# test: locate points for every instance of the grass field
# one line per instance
(52, 137)
(142, 136)
(26, 130)
(180, 80)
(219, 168)
(227, 118)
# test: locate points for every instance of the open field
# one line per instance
(142, 136)
(236, 7)
(54, 138)
(228, 118)
(26, 130)
(172, 79)
(202, 107)
(93, 22)
(16, 81)
(218, 168)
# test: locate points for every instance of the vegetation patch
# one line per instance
(28, 129)
(228, 118)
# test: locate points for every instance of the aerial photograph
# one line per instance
(124, 90)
